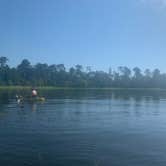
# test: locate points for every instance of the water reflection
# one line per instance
(88, 94)
(92, 104)
(84, 128)
(31, 106)
(127, 99)
(34, 107)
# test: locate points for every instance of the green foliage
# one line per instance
(3, 61)
(41, 75)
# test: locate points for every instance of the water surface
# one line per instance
(84, 128)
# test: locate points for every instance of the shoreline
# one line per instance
(74, 88)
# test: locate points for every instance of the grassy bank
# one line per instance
(73, 88)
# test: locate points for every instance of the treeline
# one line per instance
(43, 74)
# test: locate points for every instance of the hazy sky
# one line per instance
(98, 33)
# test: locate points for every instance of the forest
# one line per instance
(42, 74)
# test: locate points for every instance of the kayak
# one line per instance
(30, 99)
(36, 99)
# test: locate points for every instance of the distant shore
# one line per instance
(72, 88)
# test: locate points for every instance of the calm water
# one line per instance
(84, 128)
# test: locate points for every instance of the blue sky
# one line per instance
(97, 33)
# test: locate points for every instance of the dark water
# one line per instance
(84, 128)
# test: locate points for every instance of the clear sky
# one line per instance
(97, 33)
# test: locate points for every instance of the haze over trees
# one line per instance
(42, 74)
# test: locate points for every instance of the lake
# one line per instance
(84, 128)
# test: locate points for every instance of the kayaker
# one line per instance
(34, 92)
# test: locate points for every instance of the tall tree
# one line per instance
(25, 72)
(3, 61)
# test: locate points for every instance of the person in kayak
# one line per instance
(34, 93)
